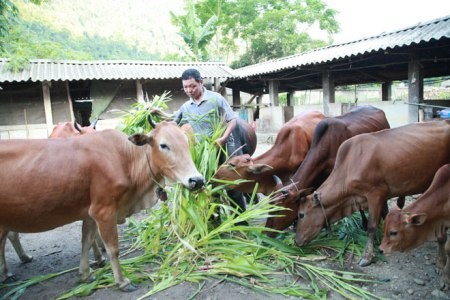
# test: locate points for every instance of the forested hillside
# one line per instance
(101, 29)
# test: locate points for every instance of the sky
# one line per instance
(364, 18)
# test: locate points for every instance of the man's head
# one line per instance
(192, 83)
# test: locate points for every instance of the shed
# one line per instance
(412, 53)
(47, 92)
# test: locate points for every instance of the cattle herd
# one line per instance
(319, 170)
(356, 162)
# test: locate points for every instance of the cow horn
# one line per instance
(94, 123)
(277, 180)
(75, 124)
(150, 121)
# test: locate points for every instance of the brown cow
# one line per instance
(319, 162)
(283, 158)
(426, 219)
(62, 130)
(371, 168)
(99, 178)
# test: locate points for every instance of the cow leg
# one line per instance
(442, 254)
(15, 241)
(363, 219)
(238, 201)
(88, 230)
(375, 202)
(5, 277)
(97, 246)
(401, 202)
(109, 235)
(445, 277)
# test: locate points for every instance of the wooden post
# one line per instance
(273, 92)
(415, 87)
(290, 98)
(216, 84)
(69, 98)
(328, 91)
(47, 106)
(139, 91)
(236, 97)
(386, 91)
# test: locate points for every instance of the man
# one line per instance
(204, 109)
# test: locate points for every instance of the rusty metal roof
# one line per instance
(54, 70)
(422, 32)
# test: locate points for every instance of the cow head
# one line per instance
(243, 167)
(402, 231)
(169, 154)
(288, 197)
(311, 219)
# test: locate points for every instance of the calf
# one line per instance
(319, 161)
(428, 218)
(283, 158)
(104, 180)
(371, 168)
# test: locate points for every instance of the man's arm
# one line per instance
(164, 116)
(230, 127)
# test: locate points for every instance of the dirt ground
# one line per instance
(409, 275)
(404, 275)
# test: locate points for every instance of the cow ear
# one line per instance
(417, 219)
(316, 199)
(305, 192)
(259, 168)
(140, 139)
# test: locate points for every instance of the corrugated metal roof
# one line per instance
(48, 70)
(421, 32)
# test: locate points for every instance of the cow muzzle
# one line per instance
(299, 241)
(196, 183)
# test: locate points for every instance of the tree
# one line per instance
(8, 13)
(268, 29)
(196, 34)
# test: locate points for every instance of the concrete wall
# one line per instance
(396, 111)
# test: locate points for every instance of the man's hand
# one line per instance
(220, 141)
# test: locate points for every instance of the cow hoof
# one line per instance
(127, 287)
(9, 279)
(99, 263)
(443, 286)
(87, 279)
(364, 262)
(26, 259)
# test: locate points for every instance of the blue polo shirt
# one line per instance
(204, 116)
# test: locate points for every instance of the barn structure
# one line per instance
(48, 91)
(413, 53)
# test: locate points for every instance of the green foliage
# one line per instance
(8, 14)
(136, 119)
(196, 35)
(269, 28)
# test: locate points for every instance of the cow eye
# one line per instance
(164, 146)
(393, 233)
(231, 165)
(301, 215)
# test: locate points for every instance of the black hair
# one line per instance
(191, 73)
